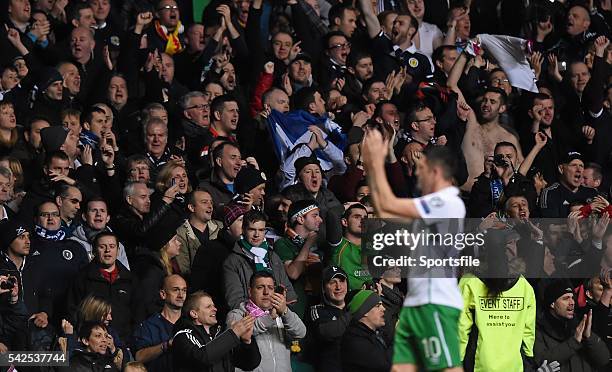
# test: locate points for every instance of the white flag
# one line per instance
(509, 51)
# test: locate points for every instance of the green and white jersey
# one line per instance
(442, 212)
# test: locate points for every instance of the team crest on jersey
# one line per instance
(67, 254)
(413, 62)
(436, 202)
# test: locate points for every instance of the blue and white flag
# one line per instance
(291, 129)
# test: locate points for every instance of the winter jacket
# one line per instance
(33, 290)
(13, 321)
(132, 230)
(273, 340)
(80, 236)
(221, 195)
(510, 317)
(237, 271)
(193, 349)
(364, 350)
(327, 325)
(150, 273)
(555, 341)
(60, 263)
(120, 294)
(83, 361)
(190, 243)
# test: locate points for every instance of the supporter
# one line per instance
(274, 322)
(6, 193)
(95, 221)
(329, 320)
(68, 199)
(153, 337)
(138, 169)
(592, 176)
(15, 258)
(62, 257)
(556, 198)
(29, 152)
(252, 254)
(249, 187)
(362, 347)
(196, 121)
(135, 220)
(171, 174)
(197, 231)
(428, 36)
(299, 252)
(14, 318)
(227, 163)
(347, 253)
(93, 335)
(573, 346)
(199, 343)
(106, 278)
(207, 269)
(152, 266)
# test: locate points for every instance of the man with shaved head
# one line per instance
(153, 337)
(91, 70)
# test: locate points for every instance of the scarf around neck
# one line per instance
(261, 254)
(53, 235)
(173, 43)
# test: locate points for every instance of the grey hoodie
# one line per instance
(80, 236)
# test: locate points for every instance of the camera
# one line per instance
(9, 283)
(500, 161)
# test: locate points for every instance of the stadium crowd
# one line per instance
(184, 184)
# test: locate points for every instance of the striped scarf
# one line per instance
(173, 43)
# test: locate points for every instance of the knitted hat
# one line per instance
(304, 161)
(247, 179)
(231, 212)
(53, 137)
(361, 302)
(47, 77)
(10, 230)
(555, 290)
(300, 208)
(332, 272)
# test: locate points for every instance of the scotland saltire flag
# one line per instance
(291, 129)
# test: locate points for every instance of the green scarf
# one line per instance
(261, 254)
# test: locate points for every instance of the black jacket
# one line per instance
(132, 230)
(148, 269)
(327, 325)
(555, 341)
(193, 349)
(120, 294)
(364, 350)
(82, 361)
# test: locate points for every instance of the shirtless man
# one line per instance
(482, 133)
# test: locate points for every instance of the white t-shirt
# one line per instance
(445, 210)
(427, 33)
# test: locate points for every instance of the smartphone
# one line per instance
(279, 289)
(172, 182)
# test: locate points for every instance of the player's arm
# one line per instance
(386, 204)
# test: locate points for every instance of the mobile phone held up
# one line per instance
(279, 289)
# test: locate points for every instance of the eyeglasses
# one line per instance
(167, 7)
(199, 107)
(49, 214)
(340, 46)
(429, 119)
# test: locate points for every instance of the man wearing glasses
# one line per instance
(196, 122)
(167, 34)
(153, 337)
(333, 69)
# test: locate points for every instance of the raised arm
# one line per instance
(370, 18)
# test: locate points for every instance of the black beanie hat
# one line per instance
(555, 290)
(304, 161)
(47, 77)
(10, 230)
(53, 137)
(247, 179)
(162, 235)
